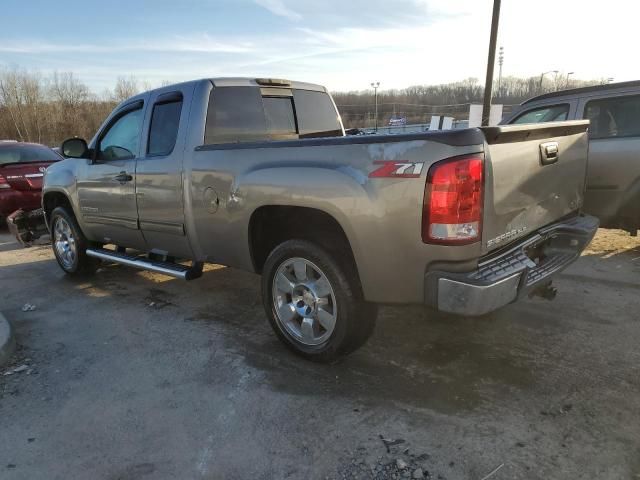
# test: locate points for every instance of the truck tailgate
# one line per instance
(535, 175)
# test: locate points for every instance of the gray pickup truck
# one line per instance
(257, 174)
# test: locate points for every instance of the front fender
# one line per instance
(61, 178)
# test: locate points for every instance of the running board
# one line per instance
(167, 268)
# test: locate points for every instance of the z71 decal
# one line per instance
(392, 169)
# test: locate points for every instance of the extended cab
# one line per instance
(257, 174)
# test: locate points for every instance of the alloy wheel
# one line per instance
(304, 301)
(65, 243)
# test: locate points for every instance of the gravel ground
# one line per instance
(131, 375)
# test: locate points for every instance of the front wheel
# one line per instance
(314, 301)
(69, 244)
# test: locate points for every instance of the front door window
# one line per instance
(121, 140)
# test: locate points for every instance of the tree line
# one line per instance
(418, 103)
(49, 108)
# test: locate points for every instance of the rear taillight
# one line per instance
(4, 183)
(452, 210)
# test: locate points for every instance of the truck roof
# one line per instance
(239, 82)
(582, 90)
(265, 82)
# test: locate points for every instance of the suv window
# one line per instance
(317, 116)
(122, 138)
(278, 112)
(235, 114)
(552, 113)
(614, 117)
(163, 131)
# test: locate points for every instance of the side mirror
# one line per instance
(75, 148)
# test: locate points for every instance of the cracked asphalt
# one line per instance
(133, 375)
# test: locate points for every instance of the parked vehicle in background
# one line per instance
(258, 174)
(22, 167)
(613, 179)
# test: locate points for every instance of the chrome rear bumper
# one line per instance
(504, 276)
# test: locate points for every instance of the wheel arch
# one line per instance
(53, 199)
(270, 225)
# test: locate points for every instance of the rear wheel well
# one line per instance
(273, 224)
(52, 200)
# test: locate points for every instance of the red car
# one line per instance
(22, 167)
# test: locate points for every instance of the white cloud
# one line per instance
(180, 43)
(450, 45)
(277, 7)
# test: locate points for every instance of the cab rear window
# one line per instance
(245, 114)
(278, 112)
(317, 116)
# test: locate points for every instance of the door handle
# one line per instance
(123, 177)
(549, 153)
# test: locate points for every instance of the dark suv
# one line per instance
(613, 179)
(22, 167)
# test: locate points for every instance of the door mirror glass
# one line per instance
(74, 148)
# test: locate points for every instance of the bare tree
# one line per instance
(22, 96)
(50, 108)
(125, 88)
(418, 103)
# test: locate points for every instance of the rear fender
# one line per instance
(341, 193)
(337, 192)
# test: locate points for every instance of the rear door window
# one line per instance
(614, 117)
(317, 116)
(551, 113)
(165, 121)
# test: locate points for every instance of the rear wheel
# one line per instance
(70, 244)
(314, 301)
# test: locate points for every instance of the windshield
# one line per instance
(26, 153)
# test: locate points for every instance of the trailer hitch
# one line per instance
(546, 291)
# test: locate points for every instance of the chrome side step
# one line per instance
(167, 268)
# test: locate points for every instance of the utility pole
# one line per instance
(375, 86)
(491, 60)
(568, 75)
(543, 74)
(500, 62)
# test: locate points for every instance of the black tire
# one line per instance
(81, 264)
(355, 318)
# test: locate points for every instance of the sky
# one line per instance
(342, 44)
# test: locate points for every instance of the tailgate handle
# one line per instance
(548, 153)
